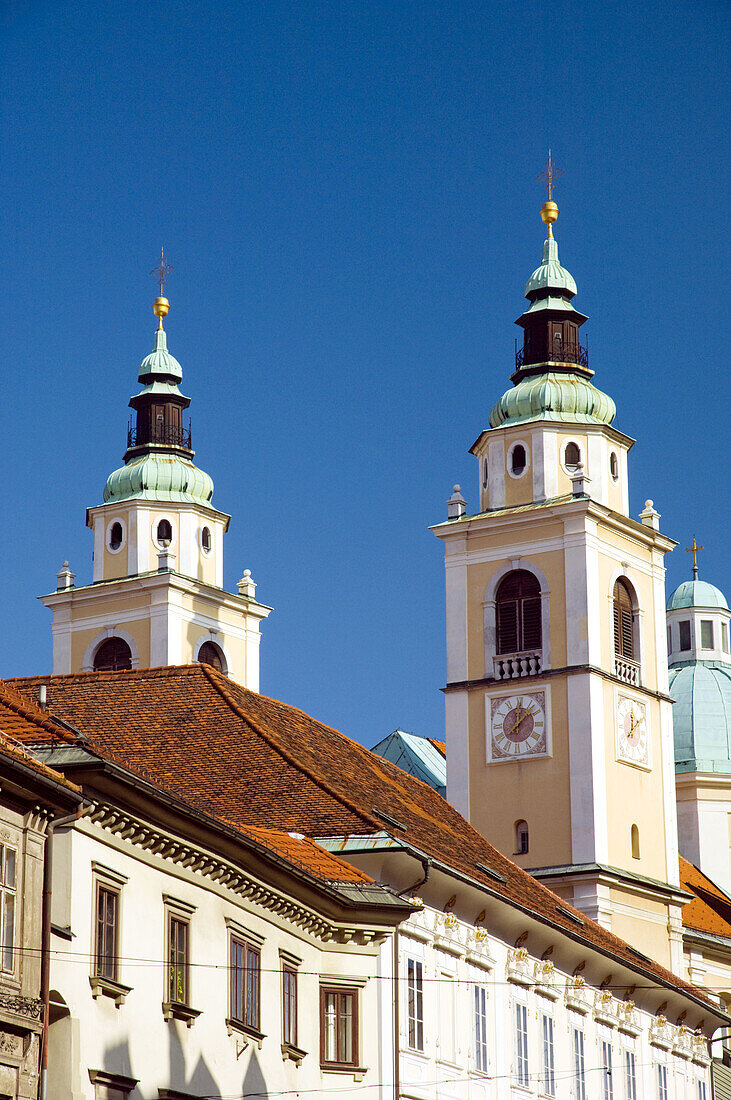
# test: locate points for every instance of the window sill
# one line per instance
(293, 1053)
(358, 1072)
(242, 1029)
(173, 1010)
(107, 987)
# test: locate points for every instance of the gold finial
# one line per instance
(550, 173)
(161, 305)
(694, 551)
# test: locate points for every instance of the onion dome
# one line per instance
(701, 693)
(159, 477)
(553, 396)
(160, 364)
(550, 275)
(697, 594)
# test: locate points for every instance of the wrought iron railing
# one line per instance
(559, 353)
(168, 435)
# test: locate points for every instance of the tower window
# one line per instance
(114, 655)
(484, 473)
(116, 536)
(210, 654)
(522, 838)
(635, 842)
(164, 532)
(614, 466)
(684, 635)
(706, 634)
(518, 460)
(724, 637)
(518, 606)
(206, 540)
(670, 639)
(572, 456)
(624, 643)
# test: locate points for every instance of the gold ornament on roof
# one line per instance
(550, 173)
(161, 305)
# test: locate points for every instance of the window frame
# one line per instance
(663, 1092)
(579, 1051)
(290, 1005)
(180, 912)
(339, 992)
(173, 967)
(607, 1079)
(708, 625)
(520, 1034)
(525, 578)
(548, 1068)
(630, 1074)
(250, 977)
(112, 882)
(509, 463)
(481, 1032)
(620, 632)
(8, 893)
(106, 887)
(415, 1000)
(684, 626)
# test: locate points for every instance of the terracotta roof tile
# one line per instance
(264, 764)
(710, 909)
(440, 746)
(22, 722)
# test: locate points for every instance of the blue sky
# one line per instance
(347, 194)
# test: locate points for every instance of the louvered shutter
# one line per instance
(507, 626)
(518, 613)
(531, 624)
(623, 622)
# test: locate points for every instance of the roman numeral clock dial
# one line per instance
(518, 725)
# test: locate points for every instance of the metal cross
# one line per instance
(549, 174)
(161, 271)
(694, 551)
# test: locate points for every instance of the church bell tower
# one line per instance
(157, 596)
(558, 721)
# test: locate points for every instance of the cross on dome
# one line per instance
(694, 551)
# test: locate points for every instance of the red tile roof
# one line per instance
(22, 722)
(264, 764)
(440, 746)
(710, 909)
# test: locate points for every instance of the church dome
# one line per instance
(155, 476)
(553, 396)
(550, 275)
(701, 692)
(696, 594)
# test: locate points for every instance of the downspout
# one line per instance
(46, 935)
(426, 867)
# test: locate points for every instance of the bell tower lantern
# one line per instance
(156, 596)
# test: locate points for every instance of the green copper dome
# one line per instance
(550, 275)
(701, 692)
(159, 477)
(160, 363)
(553, 396)
(697, 594)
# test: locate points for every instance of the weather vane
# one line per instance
(694, 551)
(549, 175)
(161, 271)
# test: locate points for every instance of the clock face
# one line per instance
(632, 743)
(518, 725)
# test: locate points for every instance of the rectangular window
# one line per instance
(706, 634)
(684, 628)
(414, 981)
(521, 1044)
(289, 1005)
(245, 983)
(481, 1028)
(607, 1083)
(338, 1026)
(107, 927)
(178, 992)
(662, 1083)
(579, 1066)
(670, 639)
(8, 864)
(724, 637)
(630, 1073)
(702, 1090)
(549, 1076)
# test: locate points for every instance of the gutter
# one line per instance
(57, 823)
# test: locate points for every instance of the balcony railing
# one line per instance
(167, 435)
(559, 353)
(627, 671)
(514, 666)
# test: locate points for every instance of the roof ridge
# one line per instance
(212, 676)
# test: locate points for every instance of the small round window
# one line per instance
(164, 532)
(116, 536)
(572, 457)
(518, 461)
(206, 540)
(614, 466)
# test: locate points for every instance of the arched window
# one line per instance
(116, 535)
(518, 459)
(522, 837)
(624, 643)
(518, 608)
(614, 466)
(572, 456)
(635, 842)
(164, 532)
(206, 539)
(113, 655)
(210, 654)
